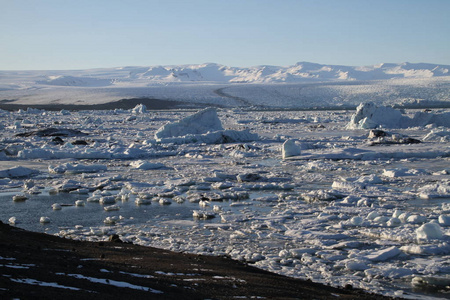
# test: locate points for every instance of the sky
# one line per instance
(82, 34)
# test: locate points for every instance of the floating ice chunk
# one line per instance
(403, 217)
(142, 201)
(416, 219)
(145, 165)
(248, 177)
(139, 109)
(79, 203)
(392, 222)
(368, 116)
(56, 206)
(215, 137)
(110, 221)
(372, 215)
(111, 208)
(290, 148)
(107, 200)
(19, 197)
(164, 201)
(44, 220)
(201, 122)
(356, 265)
(440, 282)
(397, 213)
(434, 191)
(393, 173)
(76, 169)
(442, 248)
(83, 191)
(437, 135)
(203, 215)
(356, 221)
(384, 254)
(429, 231)
(444, 220)
(17, 172)
(369, 179)
(13, 221)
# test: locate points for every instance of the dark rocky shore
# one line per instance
(153, 104)
(39, 266)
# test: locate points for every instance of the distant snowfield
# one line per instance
(303, 85)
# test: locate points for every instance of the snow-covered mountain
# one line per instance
(303, 85)
(300, 72)
(216, 73)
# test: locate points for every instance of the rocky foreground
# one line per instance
(40, 266)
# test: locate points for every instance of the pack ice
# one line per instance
(309, 194)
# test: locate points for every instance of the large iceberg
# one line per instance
(370, 116)
(201, 122)
(201, 127)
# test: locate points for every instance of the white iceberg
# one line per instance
(201, 122)
(201, 127)
(290, 148)
(369, 116)
(145, 165)
(429, 231)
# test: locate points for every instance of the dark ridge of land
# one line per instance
(39, 266)
(151, 104)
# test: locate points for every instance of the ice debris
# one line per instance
(17, 172)
(69, 168)
(145, 165)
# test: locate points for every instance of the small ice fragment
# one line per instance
(107, 200)
(44, 220)
(356, 221)
(290, 148)
(165, 201)
(372, 215)
(392, 222)
(429, 231)
(416, 219)
(142, 201)
(56, 206)
(110, 220)
(12, 220)
(384, 254)
(79, 203)
(111, 208)
(145, 165)
(19, 197)
(356, 265)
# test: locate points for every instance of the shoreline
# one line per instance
(151, 104)
(40, 266)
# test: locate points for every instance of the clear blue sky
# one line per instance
(80, 34)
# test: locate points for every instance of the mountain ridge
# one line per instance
(217, 73)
